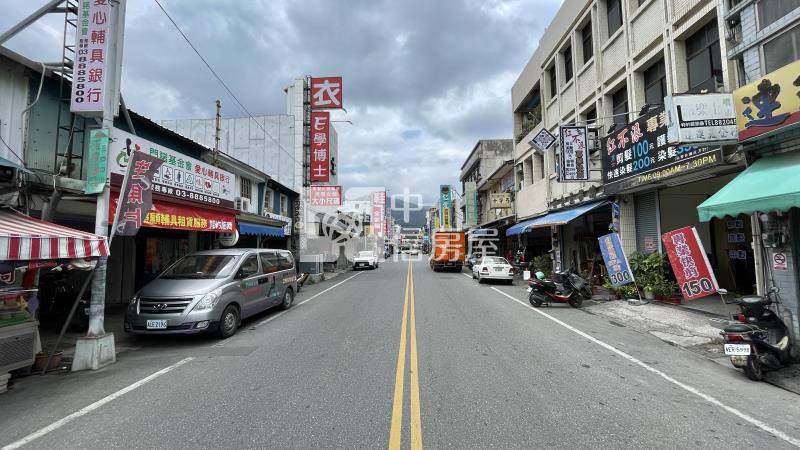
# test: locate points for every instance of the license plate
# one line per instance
(156, 324)
(737, 349)
(529, 290)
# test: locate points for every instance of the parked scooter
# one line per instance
(759, 339)
(565, 287)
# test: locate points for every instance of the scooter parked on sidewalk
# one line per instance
(759, 340)
(565, 287)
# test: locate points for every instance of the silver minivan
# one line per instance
(213, 290)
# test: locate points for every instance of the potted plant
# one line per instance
(41, 359)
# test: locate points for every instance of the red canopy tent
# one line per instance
(23, 238)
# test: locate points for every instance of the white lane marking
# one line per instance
(467, 275)
(60, 423)
(686, 387)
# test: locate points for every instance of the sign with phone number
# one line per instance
(690, 263)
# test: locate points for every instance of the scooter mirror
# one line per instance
(722, 291)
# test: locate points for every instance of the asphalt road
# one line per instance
(479, 369)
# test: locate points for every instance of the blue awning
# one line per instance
(556, 218)
(261, 230)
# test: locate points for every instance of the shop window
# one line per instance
(769, 11)
(586, 38)
(249, 267)
(269, 200)
(245, 188)
(551, 75)
(269, 262)
(655, 83)
(284, 205)
(782, 50)
(614, 15)
(567, 64)
(619, 105)
(704, 60)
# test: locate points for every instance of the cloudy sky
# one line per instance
(423, 79)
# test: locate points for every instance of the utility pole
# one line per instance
(216, 134)
(97, 349)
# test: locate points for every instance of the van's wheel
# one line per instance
(753, 369)
(229, 322)
(288, 299)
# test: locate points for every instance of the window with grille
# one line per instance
(246, 188)
(269, 200)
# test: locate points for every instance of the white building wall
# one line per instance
(13, 99)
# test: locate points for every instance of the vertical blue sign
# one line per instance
(616, 263)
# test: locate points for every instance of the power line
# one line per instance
(219, 79)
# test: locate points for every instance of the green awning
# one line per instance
(771, 183)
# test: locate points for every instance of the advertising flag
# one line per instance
(690, 263)
(136, 198)
(616, 262)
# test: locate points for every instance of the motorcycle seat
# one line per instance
(754, 301)
(549, 284)
(740, 328)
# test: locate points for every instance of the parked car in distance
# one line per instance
(213, 291)
(414, 251)
(493, 268)
(365, 260)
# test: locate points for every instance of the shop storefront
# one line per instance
(767, 194)
(569, 236)
(660, 185)
(28, 246)
(262, 232)
(193, 203)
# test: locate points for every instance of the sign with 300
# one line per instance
(690, 263)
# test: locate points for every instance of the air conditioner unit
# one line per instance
(241, 203)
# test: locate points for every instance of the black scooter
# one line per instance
(759, 339)
(565, 287)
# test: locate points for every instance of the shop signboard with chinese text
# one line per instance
(690, 263)
(500, 201)
(544, 139)
(91, 56)
(326, 93)
(179, 217)
(619, 271)
(638, 154)
(180, 176)
(768, 104)
(325, 196)
(471, 198)
(445, 205)
(700, 119)
(97, 161)
(136, 194)
(287, 227)
(574, 153)
(320, 146)
(378, 207)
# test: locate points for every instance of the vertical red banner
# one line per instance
(326, 93)
(690, 263)
(320, 146)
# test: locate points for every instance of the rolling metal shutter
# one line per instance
(647, 222)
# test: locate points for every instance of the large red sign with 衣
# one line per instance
(690, 263)
(326, 93)
(178, 217)
(320, 146)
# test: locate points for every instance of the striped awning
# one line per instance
(24, 238)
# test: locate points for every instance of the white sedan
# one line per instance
(364, 260)
(493, 268)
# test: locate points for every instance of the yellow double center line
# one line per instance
(395, 434)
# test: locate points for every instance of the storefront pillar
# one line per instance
(626, 223)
